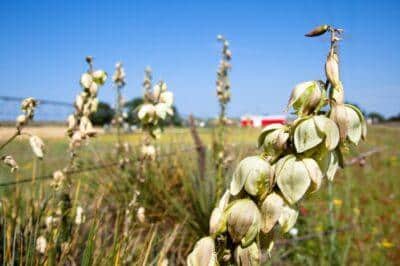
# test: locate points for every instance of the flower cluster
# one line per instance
(79, 125)
(265, 189)
(223, 83)
(119, 75)
(119, 81)
(10, 162)
(157, 106)
(28, 106)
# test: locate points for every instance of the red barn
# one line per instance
(261, 121)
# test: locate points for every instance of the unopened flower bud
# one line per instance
(317, 31)
(332, 69)
(337, 94)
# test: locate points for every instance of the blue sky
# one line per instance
(43, 45)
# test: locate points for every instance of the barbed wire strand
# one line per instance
(352, 161)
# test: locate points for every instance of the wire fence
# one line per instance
(88, 169)
(360, 159)
(47, 110)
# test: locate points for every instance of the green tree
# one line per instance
(103, 116)
(376, 117)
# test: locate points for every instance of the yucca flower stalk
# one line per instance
(266, 189)
(80, 130)
(156, 108)
(119, 84)
(224, 95)
(28, 107)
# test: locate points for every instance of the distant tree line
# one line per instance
(377, 117)
(105, 114)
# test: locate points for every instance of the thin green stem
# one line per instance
(16, 134)
(332, 225)
(118, 116)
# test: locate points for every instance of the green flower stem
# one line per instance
(16, 134)
(118, 115)
(332, 225)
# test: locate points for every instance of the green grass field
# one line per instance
(178, 204)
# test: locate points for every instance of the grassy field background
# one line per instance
(178, 204)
